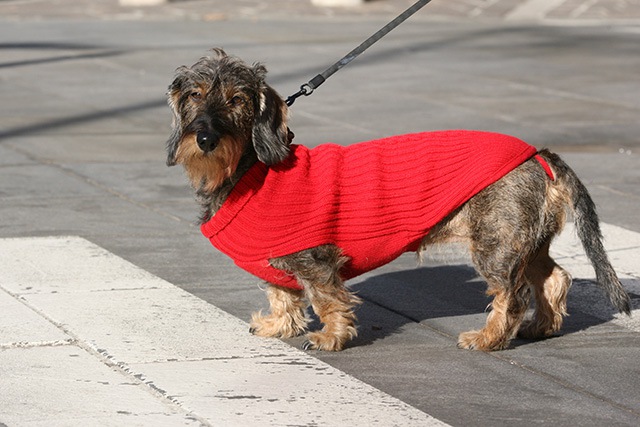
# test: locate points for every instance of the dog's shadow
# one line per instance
(449, 299)
(443, 297)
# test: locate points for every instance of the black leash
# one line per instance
(308, 88)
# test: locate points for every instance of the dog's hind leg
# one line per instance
(287, 317)
(503, 267)
(317, 269)
(507, 311)
(550, 284)
(506, 232)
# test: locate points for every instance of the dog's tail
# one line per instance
(588, 230)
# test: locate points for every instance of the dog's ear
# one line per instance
(271, 136)
(173, 97)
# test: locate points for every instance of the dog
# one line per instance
(262, 199)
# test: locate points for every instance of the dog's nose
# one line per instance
(206, 141)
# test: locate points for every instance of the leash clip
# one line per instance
(305, 90)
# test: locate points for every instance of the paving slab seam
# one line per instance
(119, 195)
(619, 271)
(24, 302)
(559, 93)
(123, 369)
(94, 115)
(573, 258)
(562, 383)
(101, 355)
(140, 379)
(160, 394)
(195, 359)
(66, 270)
(426, 16)
(504, 358)
(143, 381)
(33, 344)
(88, 180)
(618, 192)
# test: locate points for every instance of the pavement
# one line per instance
(114, 310)
(582, 11)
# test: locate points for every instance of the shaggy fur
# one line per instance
(226, 118)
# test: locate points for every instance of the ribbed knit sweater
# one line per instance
(375, 200)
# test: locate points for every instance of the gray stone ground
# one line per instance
(83, 122)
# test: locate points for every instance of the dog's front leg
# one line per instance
(317, 270)
(334, 305)
(287, 317)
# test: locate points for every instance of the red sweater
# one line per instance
(375, 200)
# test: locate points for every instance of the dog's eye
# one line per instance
(196, 96)
(235, 101)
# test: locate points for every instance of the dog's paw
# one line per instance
(477, 340)
(275, 326)
(323, 341)
(468, 340)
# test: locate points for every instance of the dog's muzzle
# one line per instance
(207, 141)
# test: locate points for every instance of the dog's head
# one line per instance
(222, 107)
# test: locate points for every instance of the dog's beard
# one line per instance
(207, 171)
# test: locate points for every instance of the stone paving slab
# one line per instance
(66, 386)
(217, 10)
(84, 112)
(123, 328)
(22, 327)
(145, 352)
